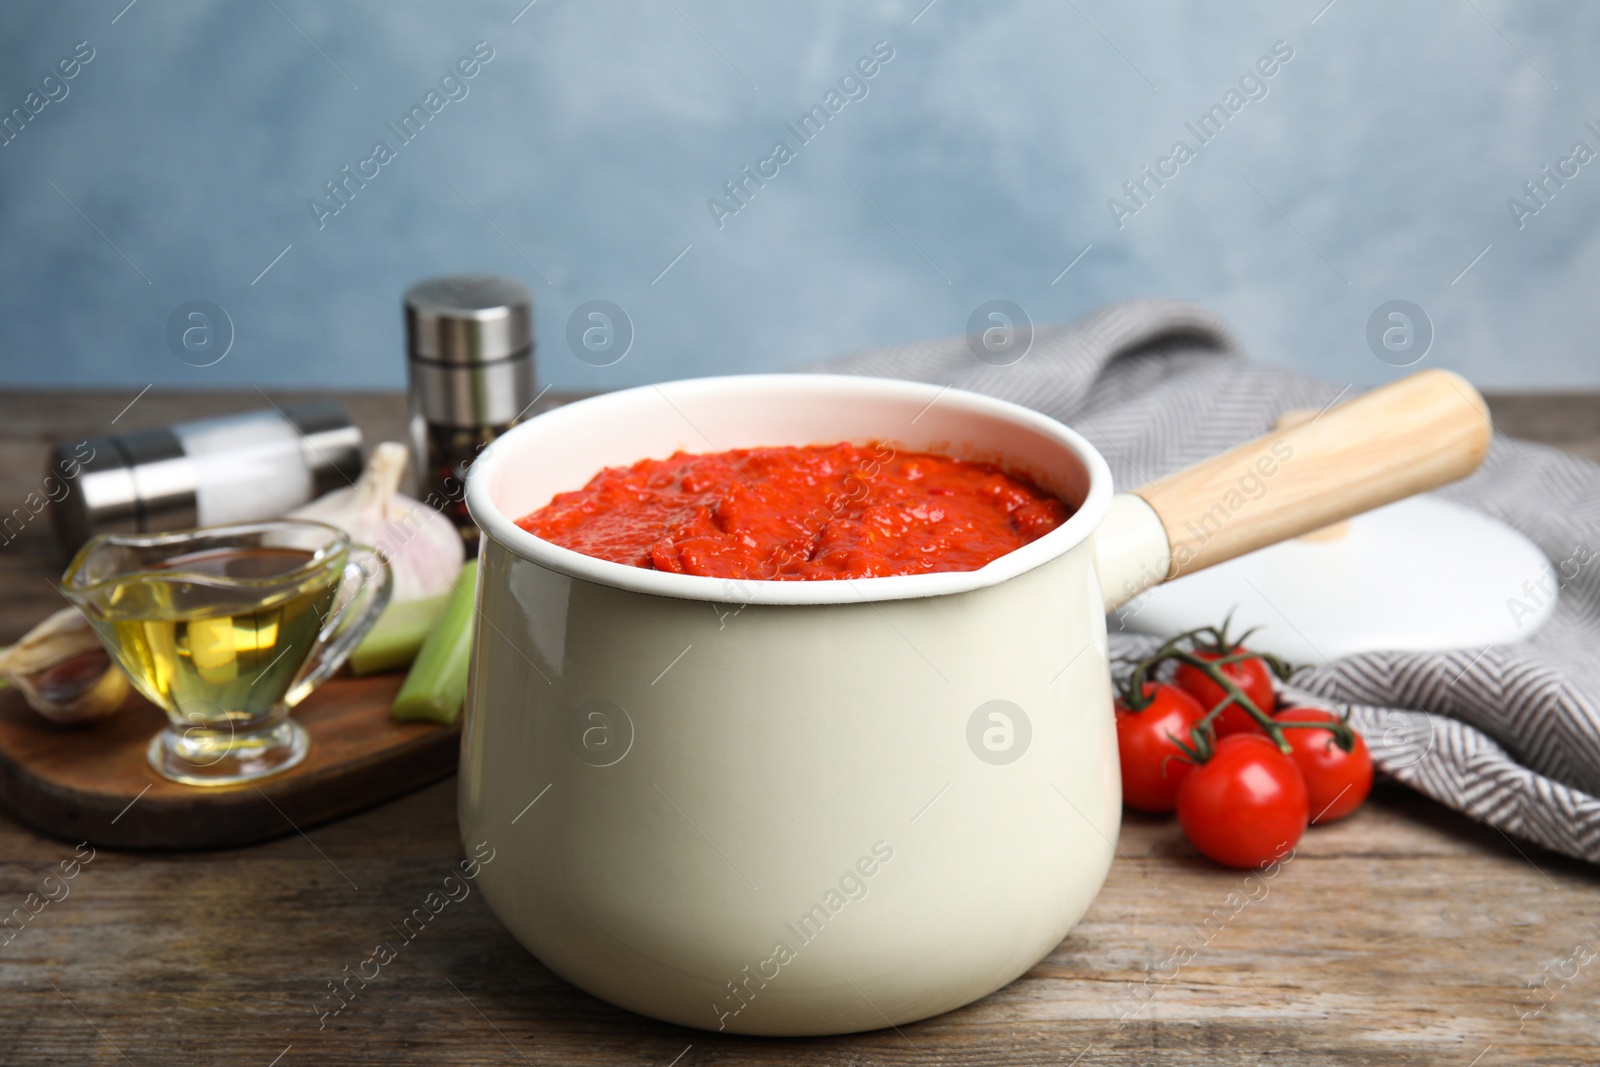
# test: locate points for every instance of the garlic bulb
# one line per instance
(422, 547)
(63, 670)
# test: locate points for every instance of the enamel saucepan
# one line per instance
(825, 806)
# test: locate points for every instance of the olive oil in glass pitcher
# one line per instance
(227, 628)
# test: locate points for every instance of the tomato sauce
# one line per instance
(795, 513)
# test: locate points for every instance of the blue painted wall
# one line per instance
(978, 162)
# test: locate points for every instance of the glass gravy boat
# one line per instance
(226, 629)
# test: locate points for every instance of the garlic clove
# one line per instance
(422, 546)
(84, 689)
(64, 672)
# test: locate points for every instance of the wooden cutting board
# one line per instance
(93, 784)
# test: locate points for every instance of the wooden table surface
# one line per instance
(1406, 934)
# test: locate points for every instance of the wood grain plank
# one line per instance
(93, 782)
(1359, 952)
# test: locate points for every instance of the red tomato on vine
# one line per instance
(1337, 782)
(1246, 805)
(1152, 763)
(1251, 675)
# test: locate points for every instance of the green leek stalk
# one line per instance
(398, 634)
(437, 684)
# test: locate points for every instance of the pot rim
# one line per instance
(502, 529)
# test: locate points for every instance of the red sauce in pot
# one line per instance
(821, 511)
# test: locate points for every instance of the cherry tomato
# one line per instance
(1152, 765)
(1246, 806)
(1336, 781)
(1251, 675)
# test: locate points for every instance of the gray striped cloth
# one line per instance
(1508, 735)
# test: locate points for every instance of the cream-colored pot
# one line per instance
(827, 806)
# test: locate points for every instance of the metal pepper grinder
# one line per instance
(469, 343)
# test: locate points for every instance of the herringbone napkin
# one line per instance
(1509, 735)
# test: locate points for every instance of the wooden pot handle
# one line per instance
(1410, 436)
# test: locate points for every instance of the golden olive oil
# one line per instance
(206, 648)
